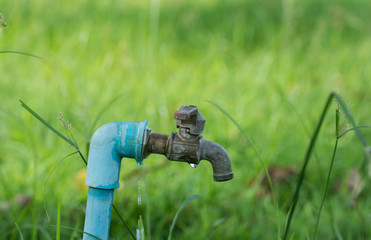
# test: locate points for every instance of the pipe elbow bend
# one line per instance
(109, 144)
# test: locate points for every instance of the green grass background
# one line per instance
(265, 62)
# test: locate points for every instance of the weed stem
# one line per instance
(342, 105)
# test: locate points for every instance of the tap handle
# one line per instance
(189, 117)
(185, 112)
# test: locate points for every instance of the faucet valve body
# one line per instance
(187, 145)
(184, 150)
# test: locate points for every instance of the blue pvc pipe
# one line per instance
(98, 213)
(110, 143)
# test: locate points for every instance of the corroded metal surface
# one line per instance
(187, 144)
(157, 143)
(188, 117)
(184, 150)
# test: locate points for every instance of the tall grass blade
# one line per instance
(34, 226)
(47, 180)
(104, 109)
(337, 232)
(23, 53)
(261, 162)
(76, 229)
(301, 176)
(362, 139)
(337, 133)
(124, 222)
(359, 134)
(352, 129)
(301, 120)
(45, 233)
(341, 103)
(19, 231)
(188, 200)
(90, 131)
(337, 123)
(82, 157)
(58, 232)
(74, 234)
(326, 188)
(25, 106)
(297, 113)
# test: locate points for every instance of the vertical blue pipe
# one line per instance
(98, 213)
(110, 143)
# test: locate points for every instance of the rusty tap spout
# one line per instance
(219, 159)
(187, 144)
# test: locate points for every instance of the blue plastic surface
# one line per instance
(110, 143)
(98, 213)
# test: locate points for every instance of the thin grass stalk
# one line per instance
(301, 176)
(74, 234)
(38, 117)
(58, 232)
(350, 118)
(261, 162)
(47, 180)
(188, 200)
(35, 220)
(352, 129)
(19, 231)
(23, 53)
(326, 188)
(338, 135)
(301, 120)
(11, 233)
(124, 222)
(334, 227)
(337, 132)
(342, 105)
(99, 115)
(76, 229)
(90, 131)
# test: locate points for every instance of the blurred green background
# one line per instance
(270, 64)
